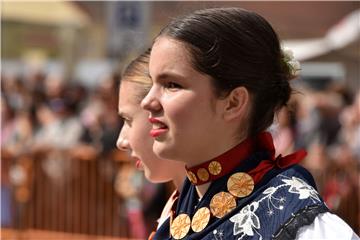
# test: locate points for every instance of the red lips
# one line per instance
(138, 163)
(158, 127)
(155, 120)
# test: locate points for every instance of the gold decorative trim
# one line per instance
(240, 184)
(203, 174)
(191, 176)
(200, 219)
(215, 168)
(180, 226)
(222, 203)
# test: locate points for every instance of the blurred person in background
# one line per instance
(341, 188)
(100, 121)
(330, 126)
(59, 126)
(109, 118)
(350, 126)
(134, 137)
(16, 128)
(283, 132)
(16, 125)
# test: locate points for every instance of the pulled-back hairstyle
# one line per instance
(236, 47)
(138, 72)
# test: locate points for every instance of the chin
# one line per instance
(149, 177)
(165, 151)
(161, 150)
(153, 179)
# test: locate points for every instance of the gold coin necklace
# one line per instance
(239, 185)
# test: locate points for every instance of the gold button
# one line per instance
(215, 168)
(180, 226)
(240, 184)
(200, 219)
(203, 174)
(222, 203)
(191, 176)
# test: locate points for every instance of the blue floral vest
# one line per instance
(282, 202)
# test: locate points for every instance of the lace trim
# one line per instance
(302, 218)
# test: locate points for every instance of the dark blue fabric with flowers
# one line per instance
(274, 201)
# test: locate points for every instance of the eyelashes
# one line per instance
(126, 120)
(172, 86)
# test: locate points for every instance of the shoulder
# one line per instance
(294, 172)
(280, 199)
(294, 184)
(327, 226)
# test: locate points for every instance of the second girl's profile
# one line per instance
(134, 135)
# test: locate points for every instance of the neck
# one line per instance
(203, 174)
(210, 152)
(201, 189)
(178, 180)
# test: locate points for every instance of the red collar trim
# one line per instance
(226, 162)
(221, 165)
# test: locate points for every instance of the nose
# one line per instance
(150, 102)
(122, 142)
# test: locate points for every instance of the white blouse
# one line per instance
(327, 226)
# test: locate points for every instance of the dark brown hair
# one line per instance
(236, 47)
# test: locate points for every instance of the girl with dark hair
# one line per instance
(134, 138)
(219, 77)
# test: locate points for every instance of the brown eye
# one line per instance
(172, 85)
(126, 121)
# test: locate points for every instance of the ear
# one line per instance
(237, 104)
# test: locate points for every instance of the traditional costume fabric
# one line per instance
(252, 195)
(166, 214)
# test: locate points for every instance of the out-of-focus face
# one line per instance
(134, 136)
(185, 113)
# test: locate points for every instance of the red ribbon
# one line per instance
(279, 162)
(266, 142)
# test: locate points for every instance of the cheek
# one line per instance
(180, 108)
(189, 110)
(141, 139)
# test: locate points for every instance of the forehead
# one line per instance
(169, 55)
(130, 93)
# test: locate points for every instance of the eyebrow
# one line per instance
(147, 74)
(123, 115)
(166, 75)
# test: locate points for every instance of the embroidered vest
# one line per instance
(276, 210)
(282, 201)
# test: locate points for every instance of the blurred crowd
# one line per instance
(42, 112)
(326, 123)
(49, 113)
(50, 117)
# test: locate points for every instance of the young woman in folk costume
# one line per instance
(219, 76)
(134, 135)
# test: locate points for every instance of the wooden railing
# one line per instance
(58, 193)
(75, 198)
(33, 234)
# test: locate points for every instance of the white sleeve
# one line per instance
(326, 226)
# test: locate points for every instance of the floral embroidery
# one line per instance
(246, 222)
(300, 187)
(218, 234)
